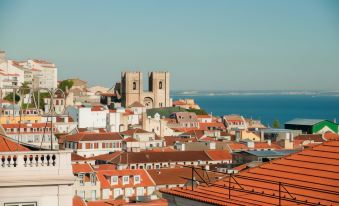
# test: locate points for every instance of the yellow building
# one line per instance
(9, 119)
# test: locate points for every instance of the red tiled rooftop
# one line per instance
(331, 136)
(310, 176)
(238, 146)
(82, 168)
(219, 155)
(77, 201)
(106, 202)
(206, 126)
(7, 145)
(313, 137)
(92, 136)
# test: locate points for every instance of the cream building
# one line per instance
(36, 178)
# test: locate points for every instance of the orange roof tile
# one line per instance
(77, 201)
(206, 126)
(92, 136)
(106, 202)
(7, 145)
(145, 180)
(311, 177)
(219, 154)
(237, 146)
(331, 136)
(82, 168)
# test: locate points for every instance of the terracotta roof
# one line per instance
(26, 125)
(219, 154)
(106, 202)
(184, 129)
(86, 136)
(206, 126)
(97, 109)
(40, 61)
(175, 103)
(78, 201)
(162, 149)
(159, 202)
(237, 146)
(265, 145)
(331, 136)
(197, 133)
(134, 131)
(130, 139)
(146, 156)
(82, 168)
(314, 137)
(104, 167)
(171, 140)
(108, 94)
(311, 177)
(145, 180)
(106, 157)
(76, 157)
(7, 145)
(136, 104)
(176, 176)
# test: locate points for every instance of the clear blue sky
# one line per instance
(210, 44)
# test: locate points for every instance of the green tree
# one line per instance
(9, 97)
(24, 89)
(66, 84)
(198, 111)
(276, 123)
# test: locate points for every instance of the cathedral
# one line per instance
(157, 95)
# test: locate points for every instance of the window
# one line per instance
(81, 179)
(136, 179)
(94, 194)
(134, 85)
(114, 180)
(125, 180)
(140, 191)
(93, 179)
(82, 194)
(160, 85)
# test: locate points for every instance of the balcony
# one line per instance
(35, 168)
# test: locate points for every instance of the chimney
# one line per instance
(207, 167)
(250, 145)
(269, 142)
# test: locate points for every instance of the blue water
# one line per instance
(267, 108)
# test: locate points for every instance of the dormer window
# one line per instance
(114, 180)
(125, 180)
(137, 179)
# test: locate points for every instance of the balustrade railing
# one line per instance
(30, 159)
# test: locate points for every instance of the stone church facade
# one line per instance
(157, 95)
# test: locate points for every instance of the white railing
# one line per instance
(35, 160)
(28, 160)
